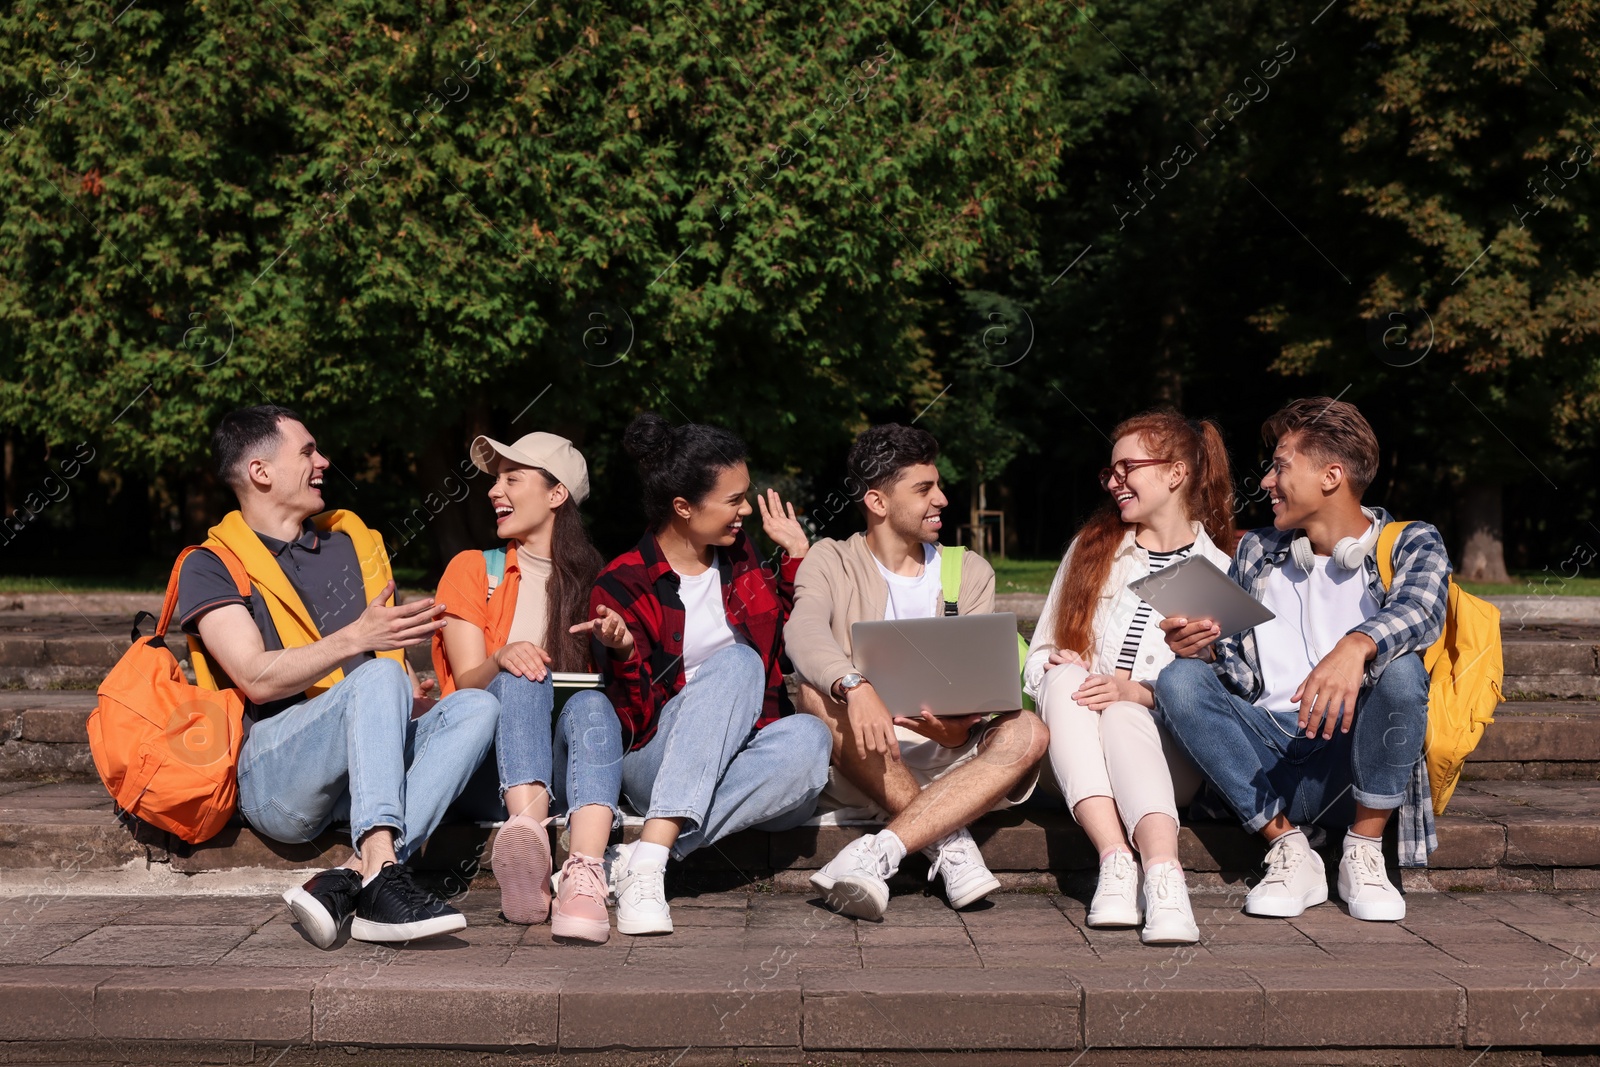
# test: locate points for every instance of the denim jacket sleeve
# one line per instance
(1412, 615)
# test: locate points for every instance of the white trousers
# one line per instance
(1120, 752)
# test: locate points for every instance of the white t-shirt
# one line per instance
(1330, 601)
(914, 598)
(705, 621)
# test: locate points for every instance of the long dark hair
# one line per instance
(1207, 495)
(574, 563)
(678, 461)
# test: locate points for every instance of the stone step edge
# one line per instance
(1529, 850)
(804, 1010)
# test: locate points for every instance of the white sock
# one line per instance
(647, 856)
(890, 847)
(369, 877)
(1351, 835)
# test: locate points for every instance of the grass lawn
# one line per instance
(1011, 576)
(148, 578)
(1033, 576)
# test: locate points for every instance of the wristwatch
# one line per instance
(842, 687)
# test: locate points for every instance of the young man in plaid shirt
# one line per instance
(1319, 715)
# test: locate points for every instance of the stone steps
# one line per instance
(1504, 834)
(42, 736)
(1542, 659)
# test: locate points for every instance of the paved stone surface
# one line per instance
(759, 971)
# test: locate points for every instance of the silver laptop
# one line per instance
(956, 665)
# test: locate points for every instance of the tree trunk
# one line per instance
(1483, 553)
(10, 479)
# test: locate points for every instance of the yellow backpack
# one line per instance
(1465, 671)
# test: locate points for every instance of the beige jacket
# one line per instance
(838, 585)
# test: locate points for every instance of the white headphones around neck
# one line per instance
(1347, 554)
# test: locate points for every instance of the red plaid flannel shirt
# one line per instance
(641, 586)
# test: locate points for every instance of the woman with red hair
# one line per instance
(1097, 648)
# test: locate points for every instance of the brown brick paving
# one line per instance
(751, 969)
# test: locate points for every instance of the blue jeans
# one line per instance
(1263, 765)
(355, 753)
(708, 765)
(579, 762)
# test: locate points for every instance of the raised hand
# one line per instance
(779, 523)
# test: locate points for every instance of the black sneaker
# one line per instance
(393, 907)
(323, 904)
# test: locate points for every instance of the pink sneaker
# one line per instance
(521, 863)
(580, 907)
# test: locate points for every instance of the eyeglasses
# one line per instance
(1121, 468)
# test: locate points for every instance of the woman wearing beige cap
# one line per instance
(516, 614)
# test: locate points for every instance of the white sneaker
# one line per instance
(856, 881)
(1116, 895)
(1295, 880)
(825, 876)
(641, 895)
(966, 878)
(1364, 884)
(1168, 919)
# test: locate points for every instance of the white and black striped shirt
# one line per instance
(1141, 618)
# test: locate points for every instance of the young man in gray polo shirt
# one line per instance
(352, 752)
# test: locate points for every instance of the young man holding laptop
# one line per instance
(930, 775)
(1319, 714)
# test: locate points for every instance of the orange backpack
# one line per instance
(168, 751)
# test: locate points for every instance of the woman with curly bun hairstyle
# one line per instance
(712, 742)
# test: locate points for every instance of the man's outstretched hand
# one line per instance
(382, 628)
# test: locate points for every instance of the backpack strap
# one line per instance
(494, 561)
(1385, 551)
(169, 605)
(950, 557)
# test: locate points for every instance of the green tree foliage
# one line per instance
(418, 222)
(1468, 143)
(387, 213)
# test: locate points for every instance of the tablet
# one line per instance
(1194, 588)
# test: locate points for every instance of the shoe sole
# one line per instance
(640, 927)
(594, 931)
(1185, 938)
(1125, 921)
(521, 864)
(1285, 909)
(823, 882)
(319, 927)
(367, 930)
(855, 899)
(1377, 911)
(975, 894)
